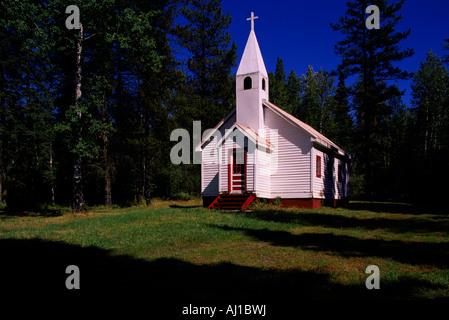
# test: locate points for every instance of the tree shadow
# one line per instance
(36, 212)
(414, 253)
(396, 207)
(409, 224)
(177, 206)
(35, 269)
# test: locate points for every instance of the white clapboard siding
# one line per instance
(209, 172)
(263, 174)
(291, 176)
(224, 150)
(330, 188)
(250, 170)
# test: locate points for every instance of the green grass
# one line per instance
(178, 249)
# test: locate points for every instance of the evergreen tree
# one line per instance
(150, 120)
(211, 58)
(446, 47)
(370, 54)
(294, 90)
(344, 126)
(317, 102)
(431, 108)
(278, 89)
(208, 94)
(26, 105)
(94, 102)
(400, 169)
(430, 97)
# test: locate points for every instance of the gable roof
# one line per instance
(212, 132)
(316, 136)
(246, 131)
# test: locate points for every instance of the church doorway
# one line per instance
(237, 170)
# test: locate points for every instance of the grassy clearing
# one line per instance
(180, 249)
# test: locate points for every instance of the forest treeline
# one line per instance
(86, 114)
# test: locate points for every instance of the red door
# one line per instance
(237, 171)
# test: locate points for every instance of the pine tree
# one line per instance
(317, 101)
(211, 57)
(430, 92)
(208, 93)
(344, 126)
(26, 106)
(369, 55)
(278, 89)
(400, 141)
(112, 45)
(92, 103)
(446, 47)
(294, 90)
(430, 103)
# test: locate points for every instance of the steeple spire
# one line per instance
(252, 18)
(252, 60)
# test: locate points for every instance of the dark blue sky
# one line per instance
(299, 31)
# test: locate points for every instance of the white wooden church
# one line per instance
(260, 151)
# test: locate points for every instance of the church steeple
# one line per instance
(251, 84)
(252, 60)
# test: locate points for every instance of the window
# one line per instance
(318, 166)
(238, 162)
(340, 176)
(263, 84)
(247, 83)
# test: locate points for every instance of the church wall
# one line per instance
(325, 188)
(224, 155)
(263, 174)
(291, 176)
(250, 170)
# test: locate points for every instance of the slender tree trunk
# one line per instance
(3, 188)
(2, 182)
(78, 196)
(144, 174)
(52, 187)
(143, 163)
(107, 162)
(2, 200)
(107, 173)
(147, 189)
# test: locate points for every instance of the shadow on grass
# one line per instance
(414, 253)
(37, 212)
(394, 207)
(408, 224)
(185, 207)
(36, 268)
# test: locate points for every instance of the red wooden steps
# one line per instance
(232, 202)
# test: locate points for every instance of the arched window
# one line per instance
(263, 84)
(247, 83)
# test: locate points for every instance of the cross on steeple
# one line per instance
(252, 20)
